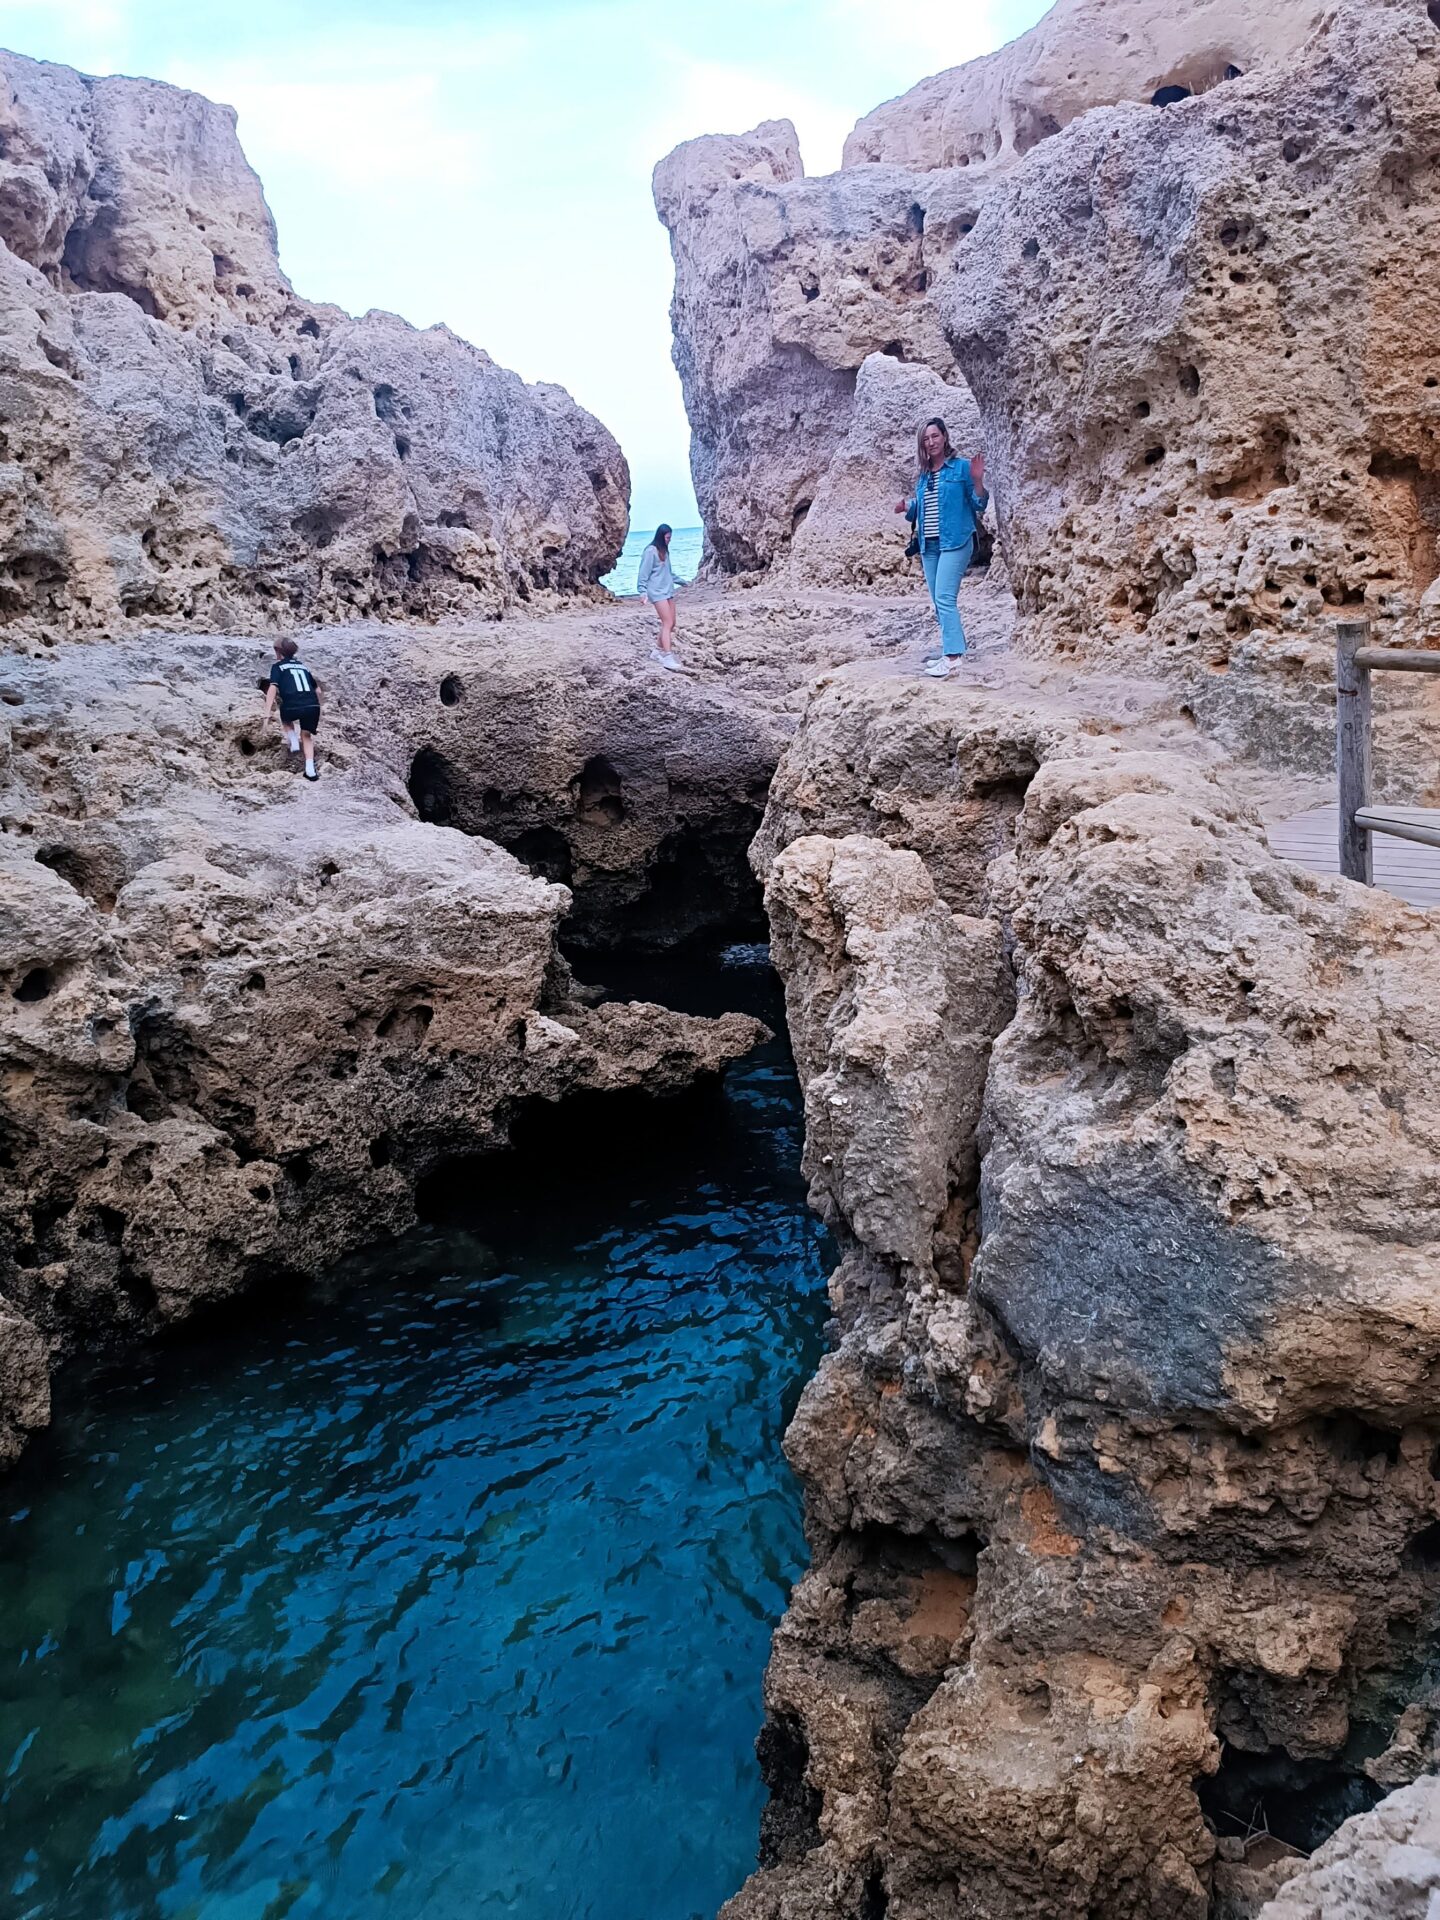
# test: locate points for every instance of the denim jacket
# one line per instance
(961, 506)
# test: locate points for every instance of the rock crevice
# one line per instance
(1119, 1476)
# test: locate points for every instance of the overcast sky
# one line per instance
(487, 162)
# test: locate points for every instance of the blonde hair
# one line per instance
(920, 440)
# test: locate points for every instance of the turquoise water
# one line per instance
(686, 547)
(448, 1595)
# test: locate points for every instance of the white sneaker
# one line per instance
(668, 660)
(939, 669)
(292, 740)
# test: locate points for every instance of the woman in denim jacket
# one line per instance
(945, 509)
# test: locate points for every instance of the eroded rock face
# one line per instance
(1119, 1477)
(785, 284)
(1205, 349)
(186, 440)
(991, 112)
(783, 287)
(241, 1018)
(1383, 1865)
(851, 536)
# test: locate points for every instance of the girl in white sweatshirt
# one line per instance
(656, 586)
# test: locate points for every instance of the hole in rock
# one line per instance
(790, 1822)
(799, 516)
(1032, 127)
(599, 799)
(37, 985)
(452, 690)
(1356, 1439)
(916, 218)
(894, 351)
(590, 1140)
(430, 787)
(1170, 96)
(1299, 1802)
(874, 1899)
(1188, 380)
(546, 852)
(84, 873)
(1434, 12)
(1423, 1548)
(1030, 249)
(105, 1224)
(318, 525)
(698, 885)
(405, 1025)
(255, 982)
(381, 1151)
(1232, 72)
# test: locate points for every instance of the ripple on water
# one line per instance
(449, 1595)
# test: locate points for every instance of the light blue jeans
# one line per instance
(943, 574)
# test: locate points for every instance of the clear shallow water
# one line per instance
(448, 1595)
(687, 544)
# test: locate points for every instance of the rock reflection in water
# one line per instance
(449, 1594)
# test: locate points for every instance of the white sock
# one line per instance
(310, 764)
(292, 740)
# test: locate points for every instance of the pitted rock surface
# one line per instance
(1118, 1477)
(187, 441)
(1204, 344)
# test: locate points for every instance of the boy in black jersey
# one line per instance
(298, 692)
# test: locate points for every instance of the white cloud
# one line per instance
(487, 162)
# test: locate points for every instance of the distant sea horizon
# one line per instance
(687, 544)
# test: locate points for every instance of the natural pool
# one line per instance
(445, 1594)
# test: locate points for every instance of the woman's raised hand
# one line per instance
(901, 505)
(977, 468)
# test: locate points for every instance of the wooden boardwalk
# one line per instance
(1401, 866)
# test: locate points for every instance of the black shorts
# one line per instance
(309, 718)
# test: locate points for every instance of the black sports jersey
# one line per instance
(295, 682)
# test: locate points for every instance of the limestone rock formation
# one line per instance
(784, 284)
(1383, 1865)
(1205, 347)
(242, 1018)
(186, 440)
(851, 536)
(988, 114)
(1119, 1477)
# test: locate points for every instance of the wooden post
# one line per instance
(1352, 748)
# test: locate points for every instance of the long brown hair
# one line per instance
(935, 421)
(661, 542)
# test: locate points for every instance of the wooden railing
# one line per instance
(1355, 661)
